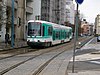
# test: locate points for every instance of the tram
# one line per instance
(43, 33)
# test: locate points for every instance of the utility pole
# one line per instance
(12, 26)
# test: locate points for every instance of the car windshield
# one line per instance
(34, 29)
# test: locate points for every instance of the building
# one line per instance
(85, 28)
(49, 10)
(24, 10)
(6, 20)
(97, 25)
(70, 11)
(91, 29)
(59, 11)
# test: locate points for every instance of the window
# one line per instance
(43, 31)
(34, 29)
(0, 27)
(57, 35)
(50, 31)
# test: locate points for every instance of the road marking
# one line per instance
(89, 41)
(95, 62)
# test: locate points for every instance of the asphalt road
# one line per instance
(87, 58)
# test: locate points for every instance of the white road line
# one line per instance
(95, 62)
(89, 41)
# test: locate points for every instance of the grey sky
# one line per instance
(90, 9)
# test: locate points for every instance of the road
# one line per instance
(87, 58)
(48, 61)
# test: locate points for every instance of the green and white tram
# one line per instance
(43, 33)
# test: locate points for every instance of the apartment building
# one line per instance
(58, 11)
(41, 10)
(97, 24)
(5, 20)
(70, 11)
(24, 10)
(49, 10)
(85, 28)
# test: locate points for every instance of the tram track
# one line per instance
(32, 58)
(43, 51)
(38, 72)
(8, 54)
(28, 59)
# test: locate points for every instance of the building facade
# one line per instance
(59, 11)
(85, 28)
(70, 11)
(3, 17)
(6, 18)
(49, 10)
(24, 10)
(97, 24)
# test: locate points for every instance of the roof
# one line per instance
(53, 24)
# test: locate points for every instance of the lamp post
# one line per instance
(12, 26)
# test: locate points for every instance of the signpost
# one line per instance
(79, 1)
(76, 31)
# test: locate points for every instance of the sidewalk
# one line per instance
(18, 44)
(85, 64)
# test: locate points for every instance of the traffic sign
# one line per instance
(79, 1)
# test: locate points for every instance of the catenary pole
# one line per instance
(76, 31)
(75, 37)
(12, 26)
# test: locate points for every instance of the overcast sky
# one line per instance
(90, 9)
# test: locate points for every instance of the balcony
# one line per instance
(29, 0)
(29, 9)
(9, 3)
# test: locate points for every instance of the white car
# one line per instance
(98, 38)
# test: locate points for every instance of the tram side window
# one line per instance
(67, 34)
(43, 30)
(57, 35)
(50, 31)
(54, 35)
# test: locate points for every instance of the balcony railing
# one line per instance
(29, 9)
(29, 0)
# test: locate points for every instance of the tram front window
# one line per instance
(34, 29)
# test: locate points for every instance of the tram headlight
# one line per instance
(35, 40)
(28, 40)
